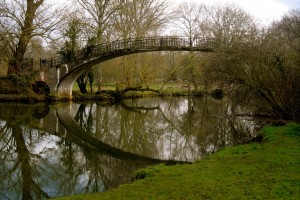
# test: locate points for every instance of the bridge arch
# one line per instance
(65, 118)
(86, 58)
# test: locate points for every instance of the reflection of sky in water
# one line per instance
(165, 126)
(2, 123)
(62, 164)
(173, 146)
(44, 145)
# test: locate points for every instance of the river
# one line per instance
(51, 150)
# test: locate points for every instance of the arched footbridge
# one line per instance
(62, 71)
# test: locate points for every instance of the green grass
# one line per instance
(253, 171)
(170, 89)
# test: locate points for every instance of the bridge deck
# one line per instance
(79, 56)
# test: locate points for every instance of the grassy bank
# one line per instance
(269, 170)
(23, 98)
(108, 92)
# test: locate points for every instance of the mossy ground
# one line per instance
(105, 94)
(269, 170)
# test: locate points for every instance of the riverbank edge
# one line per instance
(266, 170)
(104, 96)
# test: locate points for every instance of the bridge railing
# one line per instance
(160, 43)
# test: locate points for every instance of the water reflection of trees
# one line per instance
(173, 128)
(36, 165)
(18, 170)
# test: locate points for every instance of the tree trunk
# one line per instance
(82, 82)
(26, 34)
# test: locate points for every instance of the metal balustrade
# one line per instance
(125, 46)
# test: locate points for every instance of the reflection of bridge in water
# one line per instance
(57, 153)
(49, 143)
(62, 71)
(77, 133)
(59, 122)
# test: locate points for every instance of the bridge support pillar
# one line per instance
(52, 80)
(53, 77)
(64, 92)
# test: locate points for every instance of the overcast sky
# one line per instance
(264, 10)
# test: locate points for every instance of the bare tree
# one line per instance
(281, 46)
(189, 19)
(137, 19)
(288, 28)
(236, 35)
(20, 22)
(140, 18)
(261, 68)
(228, 24)
(97, 15)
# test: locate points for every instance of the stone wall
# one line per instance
(7, 86)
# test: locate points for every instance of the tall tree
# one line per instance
(97, 16)
(228, 24)
(281, 45)
(22, 20)
(137, 19)
(234, 31)
(140, 18)
(262, 67)
(72, 36)
(190, 18)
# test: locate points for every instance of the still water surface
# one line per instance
(70, 148)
